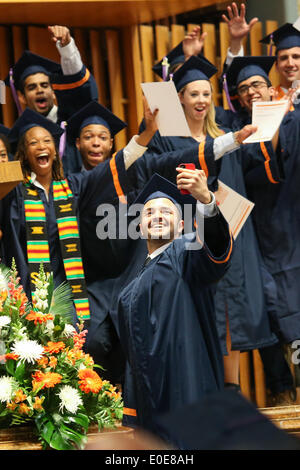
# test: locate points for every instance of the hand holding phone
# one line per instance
(188, 166)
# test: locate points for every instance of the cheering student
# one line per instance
(38, 83)
(241, 306)
(39, 218)
(166, 314)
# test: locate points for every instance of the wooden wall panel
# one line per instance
(98, 66)
(116, 83)
(39, 42)
(274, 77)
(255, 36)
(210, 52)
(133, 78)
(162, 36)
(178, 33)
(147, 48)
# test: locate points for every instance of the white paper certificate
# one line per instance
(171, 120)
(234, 207)
(297, 24)
(267, 116)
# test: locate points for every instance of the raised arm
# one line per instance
(238, 27)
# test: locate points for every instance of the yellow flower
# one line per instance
(19, 396)
(38, 403)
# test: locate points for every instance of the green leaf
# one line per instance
(62, 302)
(20, 371)
(59, 443)
(10, 366)
(80, 419)
(47, 430)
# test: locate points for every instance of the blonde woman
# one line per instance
(240, 304)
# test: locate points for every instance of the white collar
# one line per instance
(52, 115)
(159, 250)
(38, 184)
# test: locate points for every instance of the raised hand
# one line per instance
(193, 42)
(60, 33)
(237, 25)
(150, 125)
(195, 182)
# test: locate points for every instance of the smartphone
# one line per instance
(188, 166)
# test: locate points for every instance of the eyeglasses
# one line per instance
(244, 89)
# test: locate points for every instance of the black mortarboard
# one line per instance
(29, 119)
(159, 187)
(243, 68)
(284, 37)
(174, 57)
(222, 421)
(94, 113)
(29, 64)
(195, 68)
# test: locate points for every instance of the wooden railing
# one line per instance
(120, 60)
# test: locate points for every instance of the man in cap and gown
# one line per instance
(240, 293)
(166, 318)
(37, 82)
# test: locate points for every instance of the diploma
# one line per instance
(267, 117)
(170, 119)
(234, 207)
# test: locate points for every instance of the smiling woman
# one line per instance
(39, 220)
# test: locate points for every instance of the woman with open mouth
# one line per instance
(40, 219)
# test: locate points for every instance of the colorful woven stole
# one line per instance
(37, 240)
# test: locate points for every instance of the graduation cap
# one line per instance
(29, 119)
(159, 187)
(243, 68)
(195, 68)
(29, 64)
(284, 37)
(222, 420)
(94, 113)
(173, 58)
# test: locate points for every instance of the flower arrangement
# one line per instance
(45, 377)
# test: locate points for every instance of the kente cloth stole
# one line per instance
(37, 240)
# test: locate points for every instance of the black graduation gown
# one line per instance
(89, 190)
(167, 327)
(113, 263)
(240, 293)
(277, 220)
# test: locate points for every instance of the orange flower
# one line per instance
(11, 406)
(89, 381)
(39, 317)
(52, 362)
(43, 362)
(54, 348)
(45, 380)
(11, 356)
(19, 396)
(74, 355)
(88, 360)
(38, 403)
(79, 339)
(23, 409)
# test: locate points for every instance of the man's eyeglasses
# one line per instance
(244, 89)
